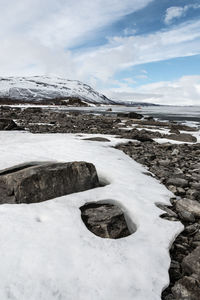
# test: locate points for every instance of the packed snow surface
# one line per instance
(47, 253)
(39, 88)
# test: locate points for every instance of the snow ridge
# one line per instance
(40, 88)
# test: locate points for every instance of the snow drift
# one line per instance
(46, 251)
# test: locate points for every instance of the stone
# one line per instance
(97, 139)
(169, 297)
(191, 263)
(196, 185)
(170, 212)
(174, 130)
(164, 162)
(175, 270)
(180, 191)
(40, 181)
(182, 137)
(175, 152)
(188, 205)
(141, 137)
(187, 288)
(8, 124)
(192, 229)
(178, 182)
(105, 220)
(186, 216)
(172, 188)
(134, 115)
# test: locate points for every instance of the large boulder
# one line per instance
(36, 182)
(105, 220)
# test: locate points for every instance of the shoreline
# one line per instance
(169, 150)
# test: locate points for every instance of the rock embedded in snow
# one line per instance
(105, 220)
(97, 139)
(36, 182)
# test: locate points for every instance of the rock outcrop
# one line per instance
(105, 220)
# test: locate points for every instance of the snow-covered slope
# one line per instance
(46, 251)
(41, 88)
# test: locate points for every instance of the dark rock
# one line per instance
(186, 216)
(105, 220)
(97, 139)
(191, 263)
(131, 115)
(174, 130)
(8, 124)
(175, 271)
(187, 288)
(134, 115)
(150, 118)
(192, 229)
(38, 182)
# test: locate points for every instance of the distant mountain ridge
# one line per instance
(40, 89)
(53, 90)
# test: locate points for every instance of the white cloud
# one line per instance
(175, 12)
(61, 23)
(129, 80)
(129, 31)
(184, 91)
(123, 52)
(40, 33)
(36, 37)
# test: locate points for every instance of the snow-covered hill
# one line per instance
(43, 88)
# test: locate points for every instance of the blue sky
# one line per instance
(145, 50)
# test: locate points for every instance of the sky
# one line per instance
(137, 50)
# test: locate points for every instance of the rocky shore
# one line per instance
(176, 165)
(178, 168)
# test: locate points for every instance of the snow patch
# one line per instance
(47, 252)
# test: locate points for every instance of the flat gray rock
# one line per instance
(35, 182)
(182, 137)
(191, 206)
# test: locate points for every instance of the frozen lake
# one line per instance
(172, 113)
(176, 113)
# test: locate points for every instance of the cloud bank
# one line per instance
(184, 91)
(44, 37)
